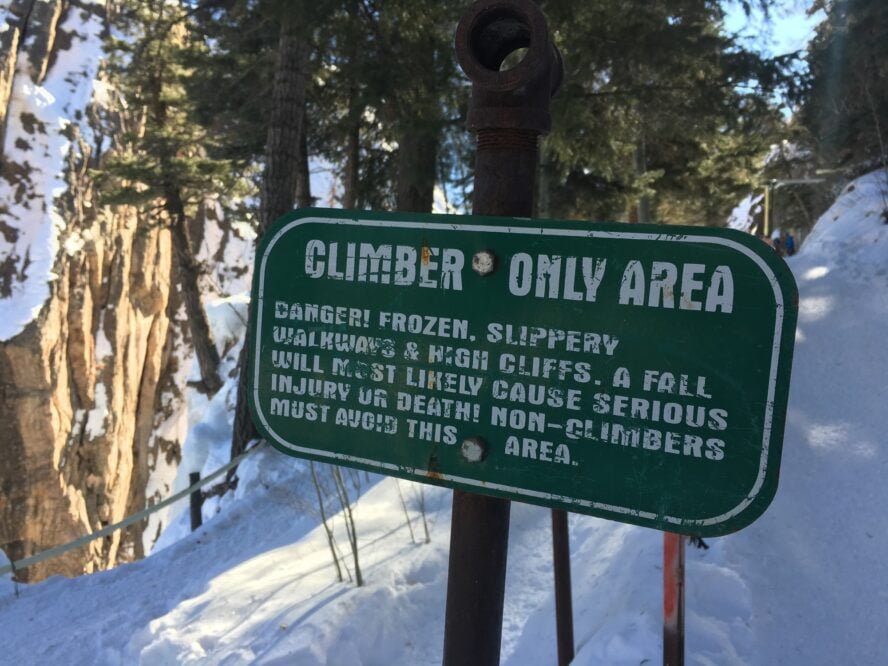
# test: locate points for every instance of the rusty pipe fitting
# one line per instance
(517, 98)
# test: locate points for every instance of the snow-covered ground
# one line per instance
(807, 584)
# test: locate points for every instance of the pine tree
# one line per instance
(384, 99)
(163, 166)
(845, 106)
(661, 111)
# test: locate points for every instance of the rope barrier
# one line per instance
(17, 565)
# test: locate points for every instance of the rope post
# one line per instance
(196, 501)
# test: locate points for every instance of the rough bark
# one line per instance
(304, 199)
(417, 157)
(285, 125)
(279, 181)
(352, 166)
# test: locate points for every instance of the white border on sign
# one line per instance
(541, 231)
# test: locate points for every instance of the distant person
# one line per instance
(790, 245)
(777, 241)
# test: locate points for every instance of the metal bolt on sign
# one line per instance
(509, 111)
(474, 449)
(484, 262)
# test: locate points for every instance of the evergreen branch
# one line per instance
(619, 92)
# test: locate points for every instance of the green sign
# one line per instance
(634, 372)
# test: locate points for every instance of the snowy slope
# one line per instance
(41, 121)
(815, 565)
(806, 584)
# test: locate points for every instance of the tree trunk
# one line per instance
(644, 204)
(188, 273)
(356, 108)
(544, 186)
(279, 182)
(417, 157)
(352, 165)
(282, 147)
(303, 173)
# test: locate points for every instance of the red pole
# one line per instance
(673, 599)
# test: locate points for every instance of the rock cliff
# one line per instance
(88, 405)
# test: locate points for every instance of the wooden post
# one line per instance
(196, 502)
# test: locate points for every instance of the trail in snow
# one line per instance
(814, 566)
(803, 585)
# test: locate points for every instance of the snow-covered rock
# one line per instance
(94, 358)
(743, 216)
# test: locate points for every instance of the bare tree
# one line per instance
(331, 541)
(348, 514)
(422, 512)
(406, 513)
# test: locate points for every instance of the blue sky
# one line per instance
(789, 28)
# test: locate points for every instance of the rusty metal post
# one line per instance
(673, 599)
(509, 111)
(563, 600)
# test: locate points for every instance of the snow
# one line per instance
(204, 425)
(38, 140)
(95, 423)
(442, 203)
(786, 151)
(743, 215)
(6, 584)
(256, 584)
(851, 235)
